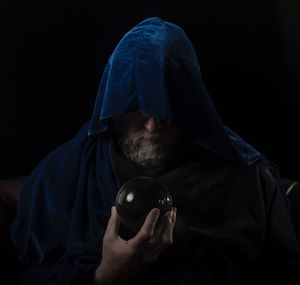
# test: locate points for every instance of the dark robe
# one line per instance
(232, 226)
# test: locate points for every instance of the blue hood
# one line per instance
(154, 69)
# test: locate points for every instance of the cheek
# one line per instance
(131, 126)
(131, 133)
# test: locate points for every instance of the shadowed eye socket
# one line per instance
(138, 120)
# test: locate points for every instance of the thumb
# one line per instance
(113, 224)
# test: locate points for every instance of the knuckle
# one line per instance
(144, 236)
(132, 252)
(135, 249)
(167, 241)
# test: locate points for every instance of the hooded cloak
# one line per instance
(65, 203)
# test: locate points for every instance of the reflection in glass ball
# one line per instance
(137, 197)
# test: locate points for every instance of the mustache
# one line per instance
(148, 136)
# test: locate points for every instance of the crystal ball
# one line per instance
(137, 197)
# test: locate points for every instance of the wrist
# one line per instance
(103, 276)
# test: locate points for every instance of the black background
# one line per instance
(53, 54)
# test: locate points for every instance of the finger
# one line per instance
(113, 226)
(147, 229)
(165, 235)
(168, 220)
(174, 215)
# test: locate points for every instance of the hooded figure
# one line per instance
(232, 221)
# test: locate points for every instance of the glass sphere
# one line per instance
(137, 197)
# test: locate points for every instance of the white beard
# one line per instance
(150, 155)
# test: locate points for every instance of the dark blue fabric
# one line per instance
(65, 203)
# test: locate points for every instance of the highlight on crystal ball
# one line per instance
(137, 197)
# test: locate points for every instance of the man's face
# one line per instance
(147, 141)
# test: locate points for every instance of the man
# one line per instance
(153, 116)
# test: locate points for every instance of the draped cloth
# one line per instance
(65, 203)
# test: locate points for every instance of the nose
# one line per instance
(152, 124)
